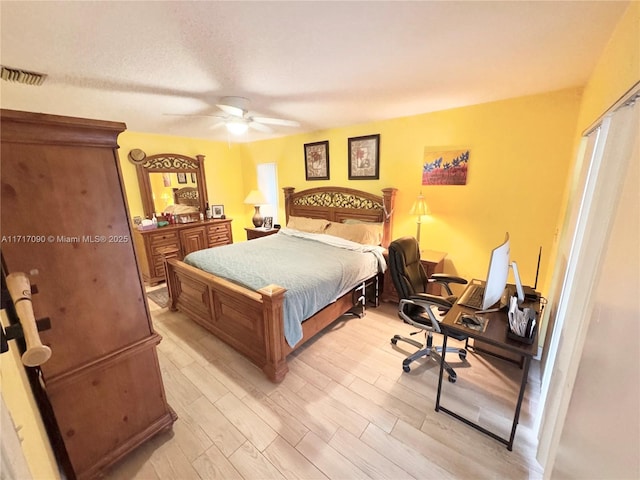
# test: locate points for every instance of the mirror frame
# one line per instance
(169, 163)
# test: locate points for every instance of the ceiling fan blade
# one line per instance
(260, 127)
(276, 121)
(190, 115)
(231, 110)
(217, 125)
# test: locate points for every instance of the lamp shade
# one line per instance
(419, 207)
(255, 197)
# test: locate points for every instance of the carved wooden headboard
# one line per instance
(341, 203)
(186, 196)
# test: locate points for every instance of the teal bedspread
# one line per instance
(315, 269)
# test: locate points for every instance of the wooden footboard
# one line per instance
(249, 321)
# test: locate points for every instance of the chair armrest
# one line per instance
(427, 300)
(444, 280)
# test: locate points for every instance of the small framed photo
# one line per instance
(316, 160)
(217, 211)
(364, 157)
(193, 178)
(268, 223)
(182, 177)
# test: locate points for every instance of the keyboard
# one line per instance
(472, 297)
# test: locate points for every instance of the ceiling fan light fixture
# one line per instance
(236, 106)
(237, 127)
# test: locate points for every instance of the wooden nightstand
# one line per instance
(432, 262)
(259, 232)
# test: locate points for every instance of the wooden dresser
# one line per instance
(65, 224)
(183, 238)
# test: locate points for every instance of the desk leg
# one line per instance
(516, 417)
(444, 350)
(523, 385)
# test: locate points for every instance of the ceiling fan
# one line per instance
(235, 117)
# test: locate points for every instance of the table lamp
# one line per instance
(256, 198)
(419, 209)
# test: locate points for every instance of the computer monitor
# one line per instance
(497, 275)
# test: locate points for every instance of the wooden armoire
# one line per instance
(64, 222)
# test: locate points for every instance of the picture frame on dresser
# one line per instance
(217, 211)
(268, 223)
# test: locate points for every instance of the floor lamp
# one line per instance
(419, 209)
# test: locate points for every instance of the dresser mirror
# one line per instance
(171, 179)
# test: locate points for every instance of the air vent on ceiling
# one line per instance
(21, 76)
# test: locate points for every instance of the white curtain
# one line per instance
(268, 185)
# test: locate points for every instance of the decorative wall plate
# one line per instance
(137, 156)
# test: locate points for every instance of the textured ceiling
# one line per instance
(323, 64)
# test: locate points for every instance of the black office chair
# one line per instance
(417, 307)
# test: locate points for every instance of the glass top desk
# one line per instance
(494, 334)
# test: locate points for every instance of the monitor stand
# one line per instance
(503, 303)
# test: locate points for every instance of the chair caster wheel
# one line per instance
(462, 355)
(452, 379)
(394, 341)
(406, 368)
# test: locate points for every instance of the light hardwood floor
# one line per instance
(345, 410)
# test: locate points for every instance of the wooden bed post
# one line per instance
(276, 361)
(389, 201)
(288, 192)
(168, 254)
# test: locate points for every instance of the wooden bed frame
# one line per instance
(252, 321)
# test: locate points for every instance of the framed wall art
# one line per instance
(182, 177)
(166, 179)
(364, 157)
(316, 160)
(445, 167)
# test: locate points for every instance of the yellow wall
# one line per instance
(617, 70)
(21, 403)
(521, 150)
